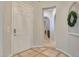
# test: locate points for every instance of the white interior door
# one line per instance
(22, 24)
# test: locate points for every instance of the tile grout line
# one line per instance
(41, 52)
(58, 54)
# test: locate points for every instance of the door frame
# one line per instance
(52, 7)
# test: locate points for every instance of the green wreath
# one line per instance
(74, 15)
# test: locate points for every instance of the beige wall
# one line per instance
(38, 26)
(7, 29)
(61, 31)
(1, 26)
(5, 26)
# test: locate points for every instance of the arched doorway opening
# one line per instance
(49, 15)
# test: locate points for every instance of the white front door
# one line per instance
(22, 26)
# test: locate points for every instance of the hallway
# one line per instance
(23, 29)
(48, 43)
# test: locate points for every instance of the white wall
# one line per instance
(4, 16)
(64, 41)
(1, 26)
(61, 30)
(38, 27)
(74, 39)
(7, 28)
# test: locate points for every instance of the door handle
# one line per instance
(14, 32)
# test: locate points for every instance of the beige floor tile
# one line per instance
(39, 49)
(43, 48)
(45, 52)
(41, 55)
(26, 55)
(47, 42)
(51, 53)
(27, 51)
(33, 53)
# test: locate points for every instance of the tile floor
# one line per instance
(46, 51)
(41, 52)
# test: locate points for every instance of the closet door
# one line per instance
(22, 24)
